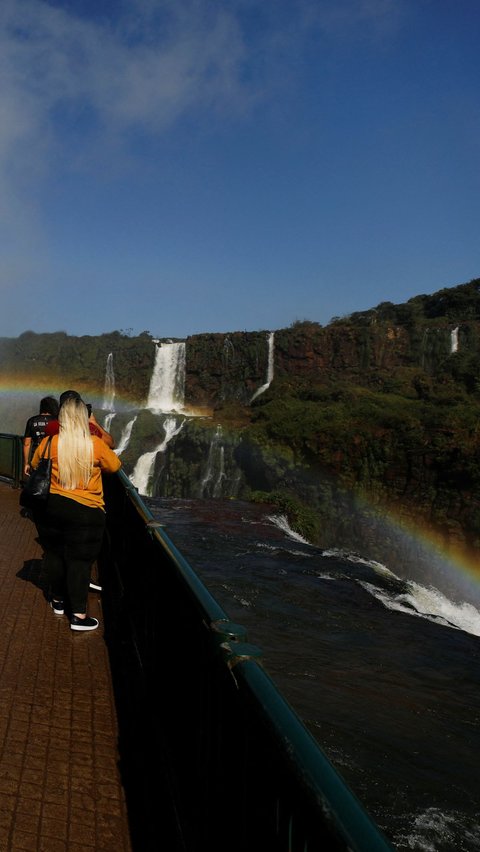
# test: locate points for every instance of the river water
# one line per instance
(385, 673)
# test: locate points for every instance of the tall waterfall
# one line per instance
(214, 474)
(167, 385)
(142, 473)
(454, 340)
(109, 386)
(109, 392)
(268, 382)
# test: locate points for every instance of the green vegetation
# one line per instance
(403, 434)
(301, 518)
(378, 408)
(456, 304)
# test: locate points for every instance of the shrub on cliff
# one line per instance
(301, 518)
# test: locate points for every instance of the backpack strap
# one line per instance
(48, 445)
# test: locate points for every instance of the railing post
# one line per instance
(11, 458)
(18, 466)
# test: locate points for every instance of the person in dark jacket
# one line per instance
(35, 429)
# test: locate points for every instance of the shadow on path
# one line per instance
(33, 572)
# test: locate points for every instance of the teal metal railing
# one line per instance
(11, 458)
(212, 756)
(243, 771)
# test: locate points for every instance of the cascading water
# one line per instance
(109, 386)
(228, 350)
(167, 385)
(214, 475)
(424, 348)
(454, 340)
(271, 338)
(142, 473)
(109, 393)
(221, 477)
(108, 421)
(125, 436)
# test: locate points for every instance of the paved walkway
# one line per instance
(60, 787)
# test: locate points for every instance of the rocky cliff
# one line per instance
(374, 413)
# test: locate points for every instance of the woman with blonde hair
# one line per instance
(71, 526)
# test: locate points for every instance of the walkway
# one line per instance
(60, 787)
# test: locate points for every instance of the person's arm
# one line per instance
(27, 442)
(105, 436)
(107, 459)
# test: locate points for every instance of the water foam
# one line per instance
(433, 829)
(412, 598)
(429, 603)
(281, 522)
(143, 471)
(361, 560)
(261, 545)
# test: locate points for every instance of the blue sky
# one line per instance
(186, 166)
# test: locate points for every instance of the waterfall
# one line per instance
(125, 436)
(217, 488)
(108, 421)
(268, 382)
(211, 484)
(108, 403)
(454, 340)
(423, 351)
(109, 386)
(142, 473)
(228, 350)
(167, 385)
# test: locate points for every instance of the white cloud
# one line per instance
(136, 71)
(72, 85)
(152, 63)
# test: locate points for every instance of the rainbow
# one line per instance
(453, 565)
(30, 391)
(23, 387)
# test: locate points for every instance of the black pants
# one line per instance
(71, 535)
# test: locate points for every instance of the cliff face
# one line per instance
(222, 368)
(423, 336)
(58, 361)
(381, 408)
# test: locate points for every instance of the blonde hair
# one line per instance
(75, 446)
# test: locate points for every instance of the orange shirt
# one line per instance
(104, 459)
